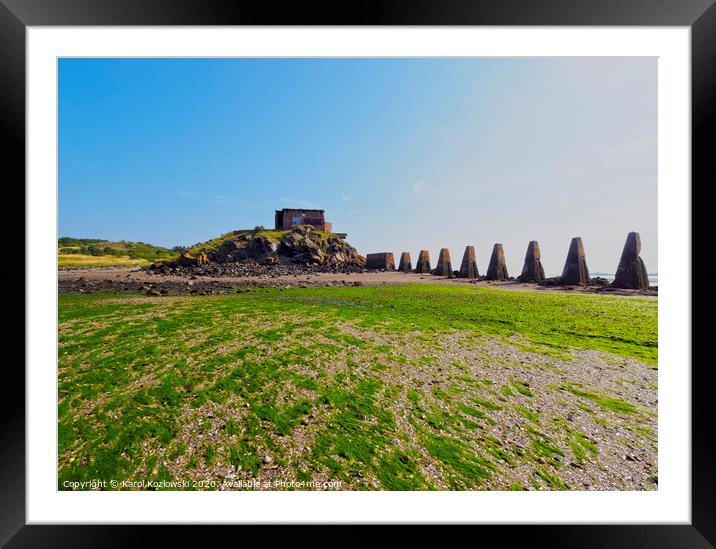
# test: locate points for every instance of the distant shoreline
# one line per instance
(135, 279)
(653, 277)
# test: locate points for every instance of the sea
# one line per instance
(653, 277)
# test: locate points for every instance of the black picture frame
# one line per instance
(16, 15)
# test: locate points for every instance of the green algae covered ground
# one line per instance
(396, 388)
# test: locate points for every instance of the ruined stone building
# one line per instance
(289, 218)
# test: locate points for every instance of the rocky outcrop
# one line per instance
(382, 260)
(532, 270)
(303, 245)
(575, 268)
(444, 266)
(631, 272)
(189, 260)
(423, 265)
(299, 247)
(468, 268)
(405, 264)
(497, 269)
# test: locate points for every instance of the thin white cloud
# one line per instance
(418, 186)
(349, 214)
(346, 198)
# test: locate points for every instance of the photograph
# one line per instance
(357, 273)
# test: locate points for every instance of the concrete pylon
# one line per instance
(497, 270)
(444, 267)
(383, 260)
(532, 270)
(631, 272)
(405, 264)
(575, 268)
(423, 266)
(468, 268)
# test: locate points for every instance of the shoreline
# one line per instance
(90, 280)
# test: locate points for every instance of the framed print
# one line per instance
(288, 268)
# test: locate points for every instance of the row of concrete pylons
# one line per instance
(631, 272)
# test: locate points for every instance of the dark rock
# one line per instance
(552, 281)
(468, 269)
(575, 268)
(444, 266)
(405, 264)
(532, 271)
(382, 260)
(261, 247)
(631, 272)
(497, 270)
(423, 265)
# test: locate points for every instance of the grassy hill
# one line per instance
(301, 245)
(273, 234)
(94, 252)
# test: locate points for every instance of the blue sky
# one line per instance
(403, 154)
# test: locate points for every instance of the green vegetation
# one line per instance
(92, 252)
(215, 244)
(582, 447)
(620, 326)
(332, 383)
(77, 260)
(529, 414)
(606, 402)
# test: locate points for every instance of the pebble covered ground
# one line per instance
(343, 405)
(521, 417)
(227, 279)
